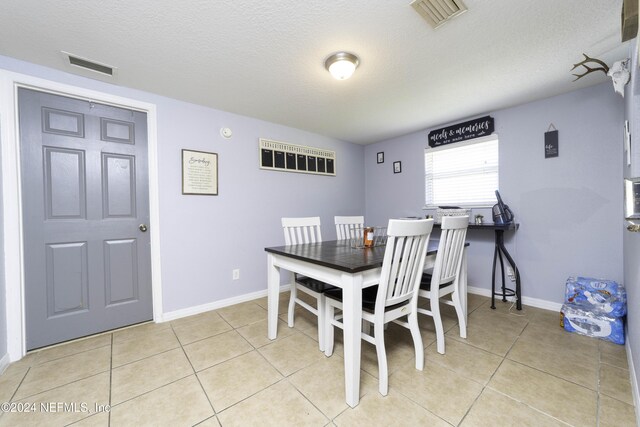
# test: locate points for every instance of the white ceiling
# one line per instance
(265, 58)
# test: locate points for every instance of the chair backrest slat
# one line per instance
(403, 262)
(301, 230)
(449, 257)
(348, 227)
(394, 273)
(412, 266)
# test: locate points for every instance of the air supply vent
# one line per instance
(437, 12)
(90, 65)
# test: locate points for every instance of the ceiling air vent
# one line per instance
(90, 65)
(437, 12)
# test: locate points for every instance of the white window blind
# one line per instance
(464, 174)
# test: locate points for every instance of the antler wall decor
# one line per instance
(620, 75)
(602, 66)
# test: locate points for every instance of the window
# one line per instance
(462, 174)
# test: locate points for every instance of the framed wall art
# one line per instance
(199, 173)
(397, 167)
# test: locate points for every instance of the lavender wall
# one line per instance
(203, 238)
(631, 241)
(568, 207)
(3, 311)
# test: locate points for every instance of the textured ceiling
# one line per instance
(265, 58)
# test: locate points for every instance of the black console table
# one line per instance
(497, 254)
(500, 251)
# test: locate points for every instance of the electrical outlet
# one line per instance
(511, 274)
(236, 274)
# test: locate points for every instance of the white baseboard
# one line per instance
(190, 311)
(4, 363)
(633, 379)
(532, 302)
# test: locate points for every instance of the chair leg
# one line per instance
(437, 320)
(417, 339)
(292, 303)
(383, 370)
(328, 328)
(321, 321)
(462, 321)
(461, 288)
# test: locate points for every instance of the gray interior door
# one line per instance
(85, 209)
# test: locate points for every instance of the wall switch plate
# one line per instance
(236, 274)
(510, 273)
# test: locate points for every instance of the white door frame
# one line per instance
(12, 200)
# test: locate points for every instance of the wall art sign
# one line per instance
(471, 129)
(397, 167)
(282, 156)
(551, 144)
(199, 173)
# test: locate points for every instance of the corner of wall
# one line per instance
(633, 378)
(3, 308)
(4, 362)
(631, 241)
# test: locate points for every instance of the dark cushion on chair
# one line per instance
(368, 298)
(313, 284)
(425, 282)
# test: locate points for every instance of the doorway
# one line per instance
(85, 217)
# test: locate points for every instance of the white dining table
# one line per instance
(351, 269)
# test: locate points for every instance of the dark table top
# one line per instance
(339, 255)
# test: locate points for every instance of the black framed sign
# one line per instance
(199, 173)
(381, 157)
(285, 157)
(397, 167)
(551, 148)
(471, 129)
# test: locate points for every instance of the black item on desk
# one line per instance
(502, 215)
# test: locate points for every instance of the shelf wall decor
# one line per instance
(285, 157)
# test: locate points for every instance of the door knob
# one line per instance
(143, 227)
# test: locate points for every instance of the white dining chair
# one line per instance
(444, 279)
(394, 297)
(298, 231)
(348, 227)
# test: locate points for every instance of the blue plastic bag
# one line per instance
(603, 296)
(584, 322)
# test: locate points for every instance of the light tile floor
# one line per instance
(219, 368)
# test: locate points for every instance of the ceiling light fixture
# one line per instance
(341, 65)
